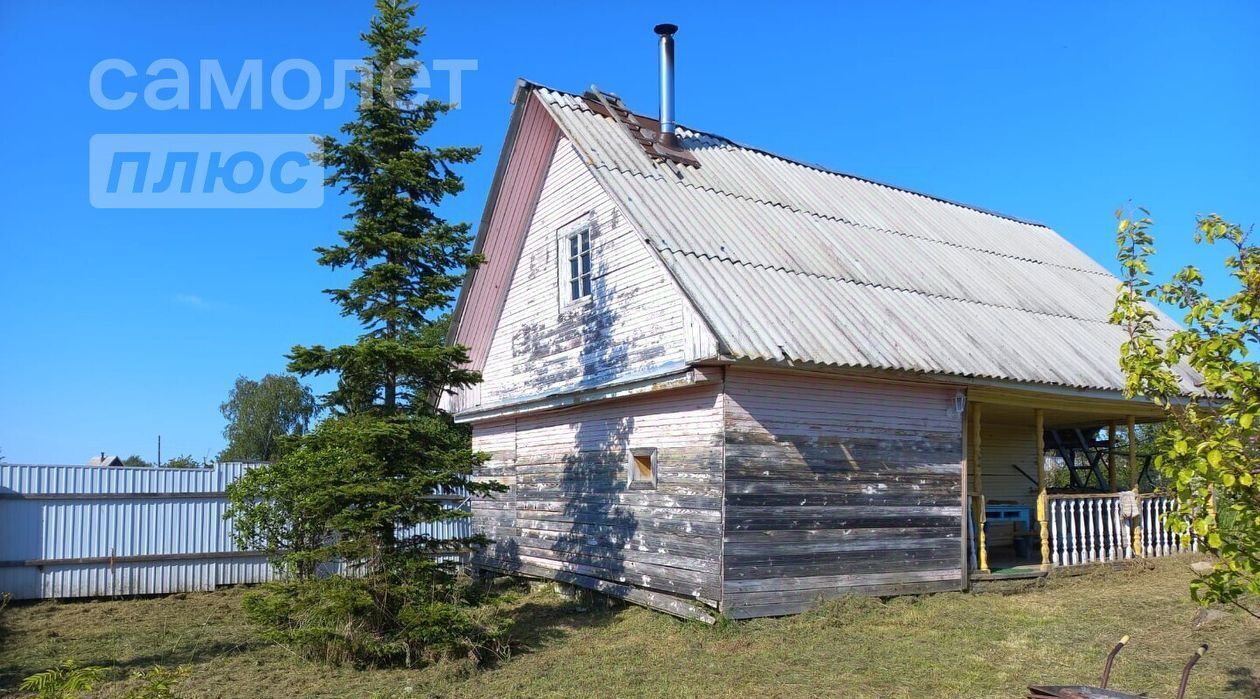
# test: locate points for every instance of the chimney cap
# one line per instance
(665, 29)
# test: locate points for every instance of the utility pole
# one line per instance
(159, 463)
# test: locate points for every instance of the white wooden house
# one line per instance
(719, 379)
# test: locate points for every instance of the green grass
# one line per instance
(991, 643)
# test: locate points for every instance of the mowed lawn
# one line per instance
(984, 644)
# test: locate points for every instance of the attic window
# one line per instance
(642, 468)
(579, 252)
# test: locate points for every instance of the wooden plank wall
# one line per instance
(1004, 445)
(837, 486)
(570, 509)
(495, 517)
(635, 325)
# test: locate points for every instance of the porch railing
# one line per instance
(1156, 539)
(1092, 529)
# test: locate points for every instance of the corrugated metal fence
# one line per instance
(91, 531)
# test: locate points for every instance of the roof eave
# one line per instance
(961, 381)
(519, 93)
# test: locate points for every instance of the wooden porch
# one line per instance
(1018, 525)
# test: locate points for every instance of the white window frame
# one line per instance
(633, 479)
(565, 259)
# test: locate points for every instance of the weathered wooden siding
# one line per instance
(495, 517)
(571, 510)
(636, 324)
(837, 486)
(1003, 447)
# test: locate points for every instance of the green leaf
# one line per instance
(1201, 527)
(1214, 458)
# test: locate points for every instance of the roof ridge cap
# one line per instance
(822, 168)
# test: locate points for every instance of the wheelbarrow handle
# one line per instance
(1185, 673)
(1111, 658)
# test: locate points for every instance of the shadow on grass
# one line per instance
(12, 674)
(1243, 679)
(539, 624)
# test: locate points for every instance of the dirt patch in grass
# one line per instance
(989, 643)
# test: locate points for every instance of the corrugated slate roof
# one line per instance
(793, 263)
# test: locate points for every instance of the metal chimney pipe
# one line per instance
(669, 136)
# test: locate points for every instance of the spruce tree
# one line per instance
(354, 488)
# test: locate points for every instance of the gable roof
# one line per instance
(793, 264)
(106, 460)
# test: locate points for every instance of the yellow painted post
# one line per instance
(1042, 496)
(1134, 471)
(982, 551)
(1112, 485)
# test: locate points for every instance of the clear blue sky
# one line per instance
(120, 325)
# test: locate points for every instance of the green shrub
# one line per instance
(158, 683)
(66, 681)
(375, 621)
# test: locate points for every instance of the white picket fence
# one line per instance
(1092, 529)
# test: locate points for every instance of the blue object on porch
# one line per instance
(1009, 513)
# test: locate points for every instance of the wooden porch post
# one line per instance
(1042, 496)
(1133, 485)
(1111, 458)
(982, 551)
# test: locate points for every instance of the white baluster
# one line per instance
(1143, 506)
(1089, 526)
(1064, 513)
(1054, 532)
(1102, 531)
(1064, 519)
(1091, 541)
(1104, 547)
(1064, 537)
(1087, 533)
(1161, 519)
(1082, 518)
(1148, 528)
(1173, 539)
(1113, 518)
(1073, 557)
(1117, 543)
(1108, 525)
(1062, 533)
(1126, 531)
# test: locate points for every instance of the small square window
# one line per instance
(579, 267)
(642, 468)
